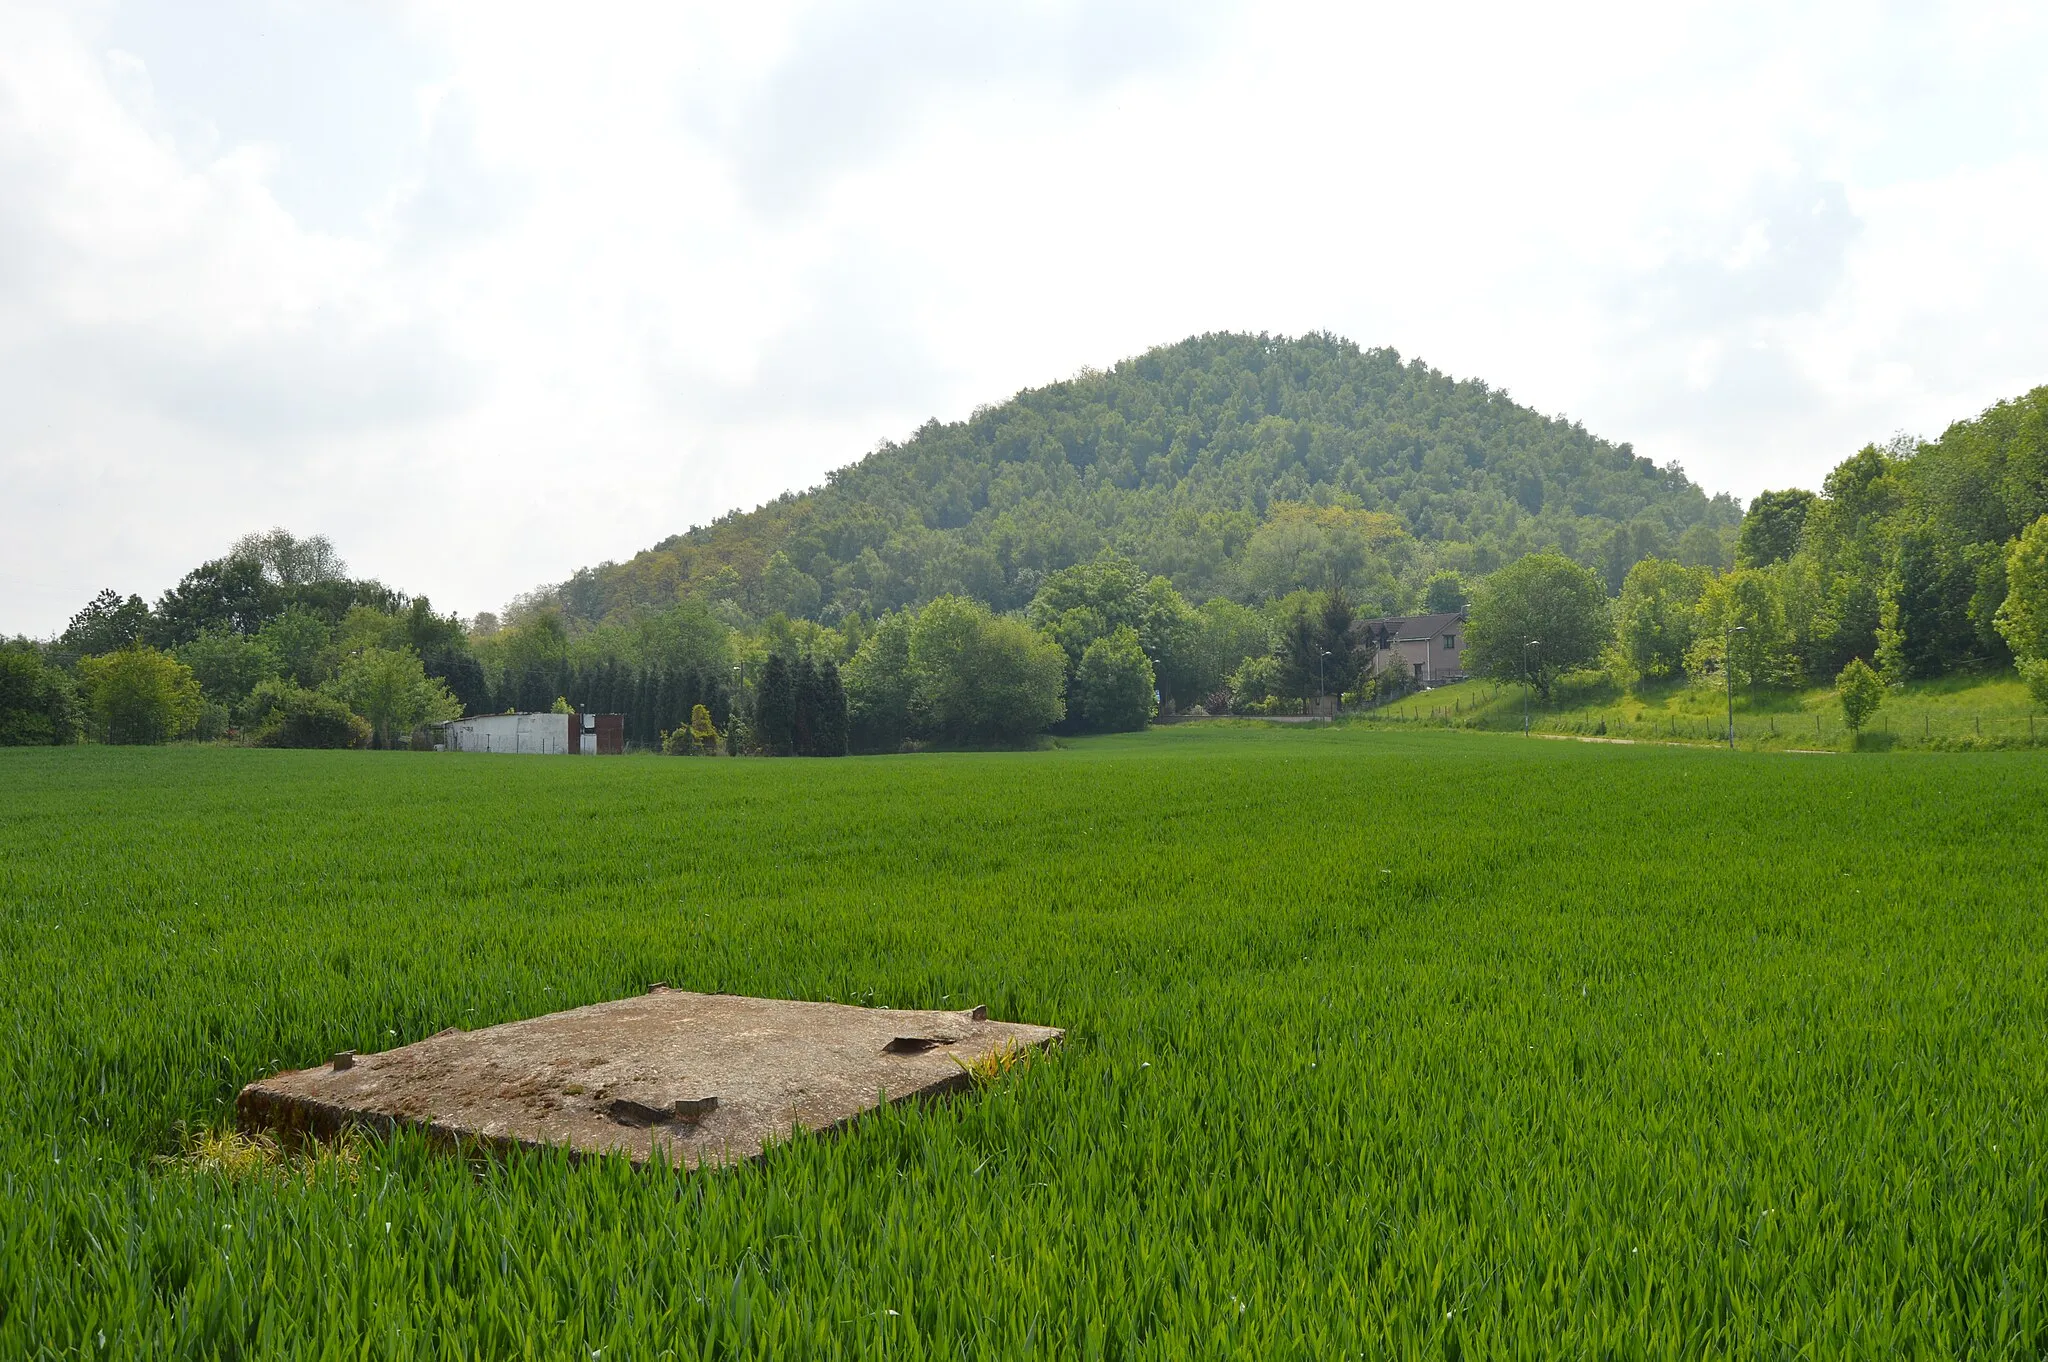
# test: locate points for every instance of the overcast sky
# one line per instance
(486, 295)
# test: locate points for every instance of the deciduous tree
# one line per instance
(1546, 597)
(1113, 688)
(1861, 691)
(140, 695)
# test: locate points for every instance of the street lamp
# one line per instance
(1728, 668)
(1526, 677)
(1320, 690)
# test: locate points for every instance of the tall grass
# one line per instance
(1380, 1044)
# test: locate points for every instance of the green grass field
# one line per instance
(1956, 713)
(1382, 1044)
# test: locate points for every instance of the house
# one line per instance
(537, 734)
(1433, 646)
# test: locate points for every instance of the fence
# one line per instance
(1917, 727)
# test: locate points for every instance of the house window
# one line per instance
(1450, 643)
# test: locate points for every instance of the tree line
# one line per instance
(1914, 559)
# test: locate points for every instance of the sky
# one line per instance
(488, 292)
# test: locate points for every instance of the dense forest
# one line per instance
(1232, 465)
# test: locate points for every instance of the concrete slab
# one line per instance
(692, 1078)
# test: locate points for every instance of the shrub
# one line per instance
(37, 703)
(700, 739)
(292, 716)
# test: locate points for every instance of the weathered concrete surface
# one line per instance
(691, 1078)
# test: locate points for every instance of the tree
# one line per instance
(1861, 691)
(1167, 630)
(107, 624)
(1654, 618)
(1740, 625)
(289, 560)
(2023, 618)
(774, 727)
(2034, 671)
(391, 689)
(1306, 547)
(1113, 688)
(1078, 605)
(140, 695)
(1546, 597)
(1300, 649)
(38, 706)
(227, 593)
(831, 730)
(301, 644)
(981, 677)
(1445, 592)
(1226, 634)
(804, 714)
(879, 685)
(228, 665)
(1770, 531)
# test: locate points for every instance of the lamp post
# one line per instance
(1728, 670)
(1531, 680)
(1321, 654)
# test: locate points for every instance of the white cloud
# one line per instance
(487, 293)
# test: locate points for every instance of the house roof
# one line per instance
(1414, 628)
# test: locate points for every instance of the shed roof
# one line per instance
(1415, 628)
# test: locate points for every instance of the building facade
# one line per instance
(546, 735)
(1431, 646)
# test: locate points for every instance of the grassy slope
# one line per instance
(1393, 1043)
(1953, 713)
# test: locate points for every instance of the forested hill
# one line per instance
(1233, 464)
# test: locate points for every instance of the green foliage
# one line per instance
(228, 665)
(1229, 464)
(289, 560)
(1545, 597)
(2034, 671)
(1256, 681)
(391, 690)
(2023, 617)
(1078, 606)
(1226, 635)
(38, 703)
(283, 714)
(301, 643)
(107, 624)
(978, 677)
(1978, 713)
(1772, 527)
(774, 726)
(1445, 592)
(1740, 628)
(139, 695)
(879, 686)
(1112, 688)
(1314, 548)
(1769, 1026)
(1656, 616)
(1862, 691)
(228, 593)
(1314, 647)
(700, 739)
(831, 730)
